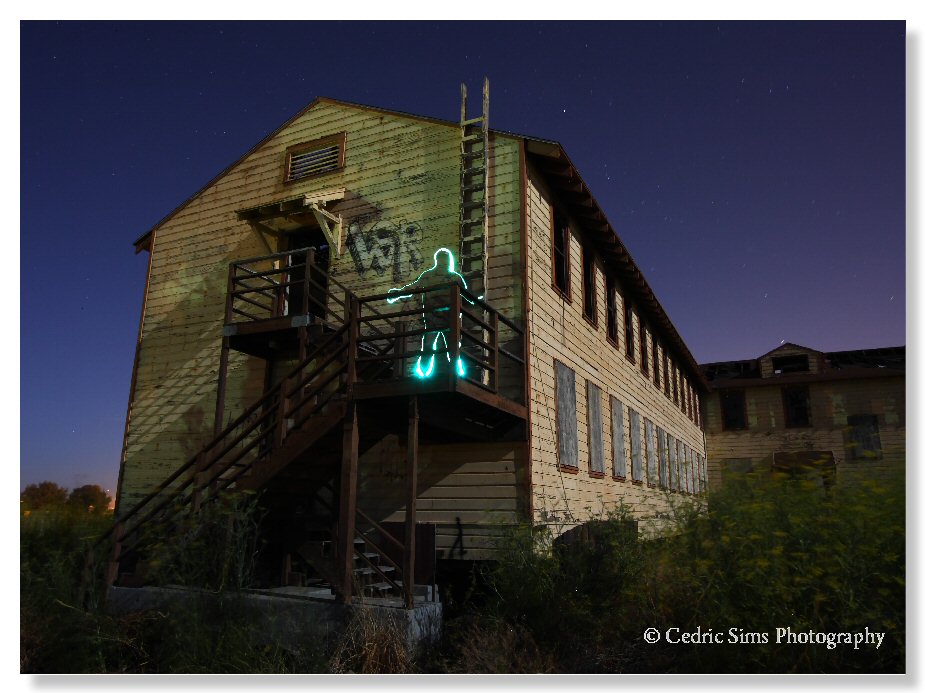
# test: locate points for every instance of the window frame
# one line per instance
(612, 327)
(643, 349)
(559, 221)
(559, 444)
(722, 410)
(788, 419)
(629, 331)
(588, 299)
(855, 453)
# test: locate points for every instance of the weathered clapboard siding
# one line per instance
(399, 172)
(559, 332)
(831, 403)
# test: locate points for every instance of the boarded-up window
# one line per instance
(566, 416)
(695, 475)
(863, 438)
(619, 444)
(595, 428)
(651, 455)
(672, 463)
(662, 459)
(686, 474)
(679, 465)
(636, 445)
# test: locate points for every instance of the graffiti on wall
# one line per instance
(381, 247)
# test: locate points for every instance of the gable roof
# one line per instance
(789, 345)
(551, 160)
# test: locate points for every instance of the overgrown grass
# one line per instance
(768, 553)
(59, 633)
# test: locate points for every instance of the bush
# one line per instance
(769, 552)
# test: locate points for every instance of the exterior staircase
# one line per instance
(302, 436)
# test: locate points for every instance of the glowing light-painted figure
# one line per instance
(442, 272)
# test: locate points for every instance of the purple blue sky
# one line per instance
(755, 171)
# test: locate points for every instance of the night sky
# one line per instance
(755, 172)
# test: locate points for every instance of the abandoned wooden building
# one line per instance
(842, 412)
(406, 333)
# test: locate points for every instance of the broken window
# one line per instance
(589, 287)
(863, 437)
(732, 406)
(628, 325)
(667, 376)
(612, 310)
(796, 407)
(643, 349)
(654, 361)
(798, 363)
(560, 242)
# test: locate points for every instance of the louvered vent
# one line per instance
(314, 158)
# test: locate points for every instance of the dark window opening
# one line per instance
(683, 395)
(674, 385)
(863, 438)
(589, 287)
(560, 241)
(732, 406)
(790, 364)
(666, 372)
(654, 361)
(628, 324)
(643, 349)
(612, 310)
(796, 407)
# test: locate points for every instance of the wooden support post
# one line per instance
(306, 287)
(352, 320)
(411, 501)
(400, 347)
(112, 570)
(348, 502)
(455, 327)
(220, 391)
(495, 353)
(198, 478)
(282, 411)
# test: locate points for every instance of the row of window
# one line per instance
(657, 458)
(665, 372)
(795, 398)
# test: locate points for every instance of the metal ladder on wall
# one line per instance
(473, 194)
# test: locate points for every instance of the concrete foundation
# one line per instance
(294, 617)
